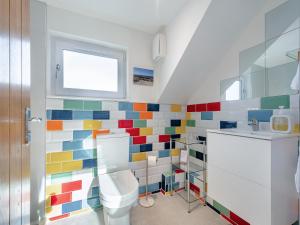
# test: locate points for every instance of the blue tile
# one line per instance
(153, 107)
(260, 115)
(82, 115)
(94, 202)
(146, 148)
(72, 206)
(142, 189)
(132, 115)
(95, 191)
(72, 145)
(89, 163)
(61, 115)
(134, 148)
(125, 106)
(163, 153)
(175, 136)
(83, 154)
(153, 187)
(167, 145)
(81, 134)
(228, 124)
(206, 115)
(49, 114)
(101, 115)
(130, 157)
(175, 123)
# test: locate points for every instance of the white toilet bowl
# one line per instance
(118, 194)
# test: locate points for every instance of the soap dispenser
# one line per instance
(281, 123)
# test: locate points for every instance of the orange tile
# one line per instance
(146, 115)
(99, 132)
(54, 125)
(140, 107)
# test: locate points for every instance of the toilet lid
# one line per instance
(118, 186)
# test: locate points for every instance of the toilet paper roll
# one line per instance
(152, 160)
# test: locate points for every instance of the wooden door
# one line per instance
(14, 98)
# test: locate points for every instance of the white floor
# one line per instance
(166, 211)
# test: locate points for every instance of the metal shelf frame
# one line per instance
(191, 169)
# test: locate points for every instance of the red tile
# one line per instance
(201, 107)
(139, 140)
(214, 106)
(61, 198)
(238, 219)
(229, 220)
(194, 188)
(191, 108)
(179, 171)
(133, 131)
(59, 217)
(125, 123)
(71, 186)
(164, 138)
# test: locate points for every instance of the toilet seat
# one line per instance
(118, 189)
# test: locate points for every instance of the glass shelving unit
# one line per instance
(191, 170)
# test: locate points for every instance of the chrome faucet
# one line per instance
(254, 124)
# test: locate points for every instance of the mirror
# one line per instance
(268, 68)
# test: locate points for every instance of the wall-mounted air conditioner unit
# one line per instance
(159, 47)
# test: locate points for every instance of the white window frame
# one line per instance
(59, 44)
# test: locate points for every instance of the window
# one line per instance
(233, 92)
(82, 69)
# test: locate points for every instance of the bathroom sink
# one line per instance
(268, 135)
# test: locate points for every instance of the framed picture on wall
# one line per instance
(143, 76)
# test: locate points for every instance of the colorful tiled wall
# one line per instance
(71, 163)
(237, 114)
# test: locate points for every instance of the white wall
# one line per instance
(179, 34)
(137, 43)
(254, 33)
(38, 106)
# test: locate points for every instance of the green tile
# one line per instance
(73, 104)
(140, 123)
(190, 123)
(95, 172)
(94, 153)
(61, 178)
(170, 130)
(221, 208)
(92, 105)
(274, 102)
(193, 153)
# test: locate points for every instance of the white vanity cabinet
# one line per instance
(253, 175)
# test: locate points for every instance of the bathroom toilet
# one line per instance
(118, 185)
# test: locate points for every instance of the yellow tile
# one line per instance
(92, 124)
(175, 152)
(61, 156)
(53, 189)
(188, 116)
(183, 123)
(180, 130)
(139, 156)
(296, 128)
(48, 157)
(48, 202)
(175, 108)
(146, 131)
(71, 166)
(53, 168)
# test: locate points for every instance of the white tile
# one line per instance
(209, 124)
(117, 130)
(72, 125)
(117, 115)
(152, 138)
(110, 105)
(158, 115)
(151, 179)
(54, 103)
(59, 135)
(237, 115)
(294, 101)
(164, 108)
(195, 115)
(109, 124)
(240, 104)
(89, 143)
(54, 146)
(55, 211)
